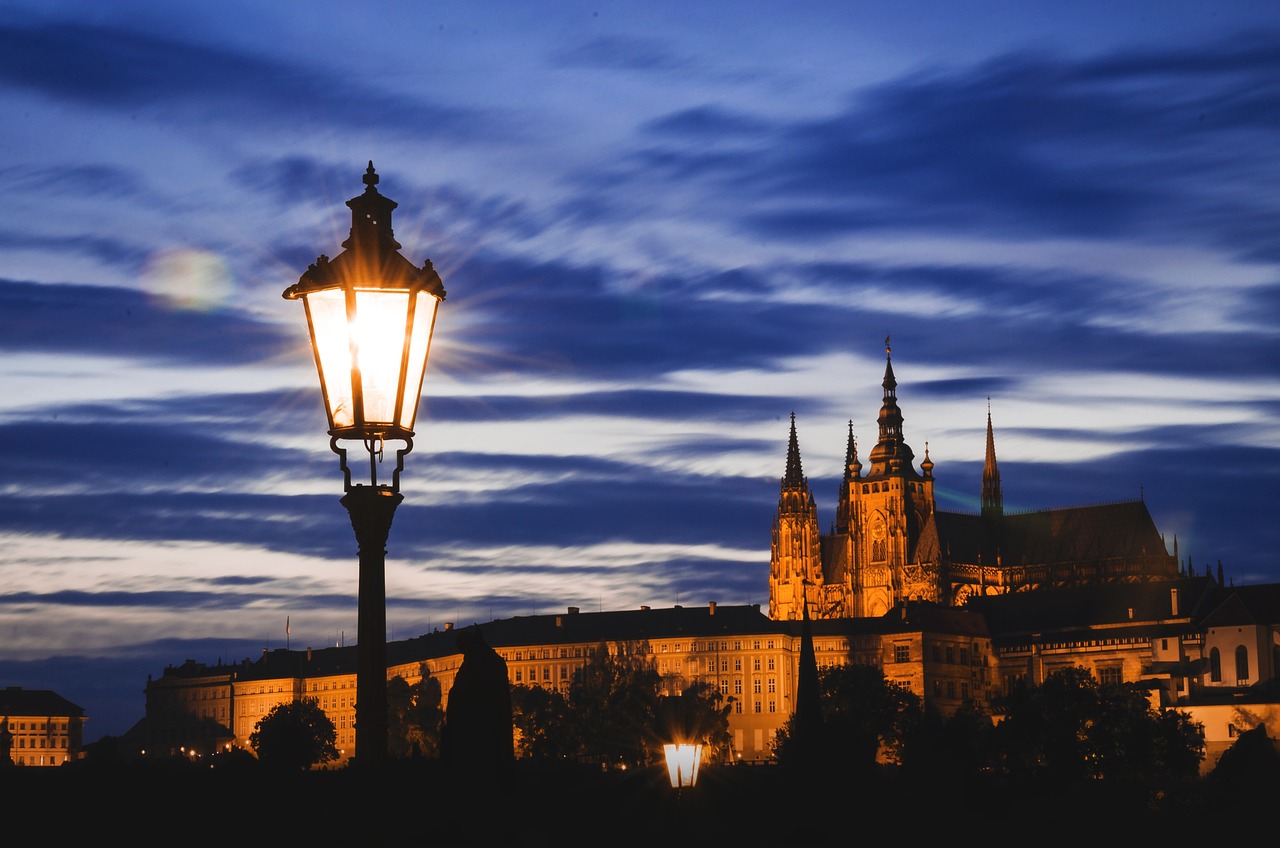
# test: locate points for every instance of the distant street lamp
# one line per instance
(682, 764)
(371, 314)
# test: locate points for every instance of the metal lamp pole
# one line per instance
(371, 315)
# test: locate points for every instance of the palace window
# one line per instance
(901, 653)
(1242, 664)
(1215, 666)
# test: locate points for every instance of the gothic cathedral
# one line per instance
(889, 544)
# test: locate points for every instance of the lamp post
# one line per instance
(370, 314)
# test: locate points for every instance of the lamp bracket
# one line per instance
(374, 447)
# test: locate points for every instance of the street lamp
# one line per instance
(370, 313)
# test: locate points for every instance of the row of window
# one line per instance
(38, 726)
(54, 742)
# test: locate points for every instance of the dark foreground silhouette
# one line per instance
(426, 802)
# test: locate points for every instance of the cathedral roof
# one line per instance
(1071, 534)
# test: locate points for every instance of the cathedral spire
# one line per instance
(891, 454)
(992, 499)
(795, 474)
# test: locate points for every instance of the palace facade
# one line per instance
(890, 544)
(1208, 649)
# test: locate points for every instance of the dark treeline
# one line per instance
(1071, 758)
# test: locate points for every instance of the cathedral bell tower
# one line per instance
(882, 515)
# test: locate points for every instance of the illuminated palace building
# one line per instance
(957, 607)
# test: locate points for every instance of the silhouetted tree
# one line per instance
(544, 724)
(951, 748)
(695, 715)
(866, 718)
(1071, 729)
(414, 716)
(613, 698)
(294, 736)
(1252, 762)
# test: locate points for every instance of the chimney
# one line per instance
(644, 606)
(1173, 601)
(308, 653)
(573, 610)
(559, 621)
(712, 607)
(448, 625)
(1131, 613)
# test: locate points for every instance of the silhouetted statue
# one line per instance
(6, 744)
(477, 740)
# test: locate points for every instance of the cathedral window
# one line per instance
(1242, 664)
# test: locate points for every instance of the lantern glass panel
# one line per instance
(682, 764)
(377, 337)
(424, 319)
(327, 314)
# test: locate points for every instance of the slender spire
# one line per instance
(807, 724)
(795, 473)
(992, 499)
(852, 467)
